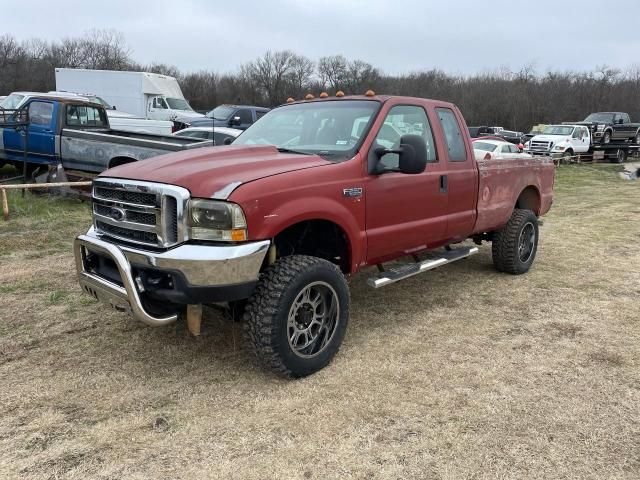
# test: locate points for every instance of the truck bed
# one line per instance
(500, 184)
(164, 142)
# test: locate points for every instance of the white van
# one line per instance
(143, 94)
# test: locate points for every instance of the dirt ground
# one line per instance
(458, 373)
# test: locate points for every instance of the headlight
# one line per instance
(526, 145)
(559, 147)
(600, 128)
(216, 220)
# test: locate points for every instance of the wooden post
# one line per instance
(194, 319)
(5, 205)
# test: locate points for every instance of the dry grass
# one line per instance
(460, 373)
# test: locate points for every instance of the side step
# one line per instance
(437, 259)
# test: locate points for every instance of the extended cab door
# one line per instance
(460, 174)
(158, 109)
(41, 138)
(580, 140)
(404, 213)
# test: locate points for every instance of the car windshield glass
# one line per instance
(331, 129)
(12, 101)
(557, 130)
(484, 146)
(599, 117)
(220, 113)
(178, 104)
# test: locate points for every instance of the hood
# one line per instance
(185, 116)
(208, 122)
(550, 138)
(207, 170)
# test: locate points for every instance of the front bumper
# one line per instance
(192, 274)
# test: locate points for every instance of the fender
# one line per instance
(313, 208)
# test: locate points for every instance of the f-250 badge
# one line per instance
(352, 192)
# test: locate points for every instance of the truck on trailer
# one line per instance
(312, 193)
(143, 94)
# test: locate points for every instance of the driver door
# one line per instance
(404, 213)
(158, 109)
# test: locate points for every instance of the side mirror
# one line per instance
(113, 107)
(235, 121)
(412, 155)
(227, 141)
(620, 121)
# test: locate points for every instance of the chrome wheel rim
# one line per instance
(526, 242)
(313, 319)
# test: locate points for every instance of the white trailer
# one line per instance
(143, 94)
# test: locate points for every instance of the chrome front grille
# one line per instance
(540, 145)
(140, 212)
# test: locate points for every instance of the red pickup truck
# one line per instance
(312, 192)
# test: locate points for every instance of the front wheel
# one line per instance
(514, 247)
(297, 317)
(606, 138)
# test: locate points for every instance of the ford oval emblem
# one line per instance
(117, 214)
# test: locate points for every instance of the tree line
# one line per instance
(514, 100)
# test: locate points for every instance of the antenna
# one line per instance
(213, 117)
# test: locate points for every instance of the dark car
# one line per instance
(475, 132)
(512, 137)
(233, 116)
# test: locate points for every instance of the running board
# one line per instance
(401, 272)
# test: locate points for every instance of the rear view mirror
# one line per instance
(413, 154)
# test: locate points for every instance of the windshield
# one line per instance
(12, 101)
(557, 130)
(221, 113)
(331, 129)
(599, 117)
(484, 146)
(178, 104)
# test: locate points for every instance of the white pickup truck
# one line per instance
(560, 141)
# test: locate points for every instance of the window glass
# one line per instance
(259, 114)
(505, 149)
(455, 142)
(484, 146)
(40, 113)
(245, 116)
(322, 128)
(220, 137)
(576, 133)
(513, 149)
(86, 116)
(403, 120)
(159, 103)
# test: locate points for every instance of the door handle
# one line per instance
(444, 183)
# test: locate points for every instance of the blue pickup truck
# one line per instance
(76, 133)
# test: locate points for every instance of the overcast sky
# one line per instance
(458, 36)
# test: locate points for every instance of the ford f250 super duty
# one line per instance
(312, 192)
(76, 133)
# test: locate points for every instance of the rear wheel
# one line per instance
(514, 247)
(621, 156)
(297, 317)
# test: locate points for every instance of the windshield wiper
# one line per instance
(289, 150)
